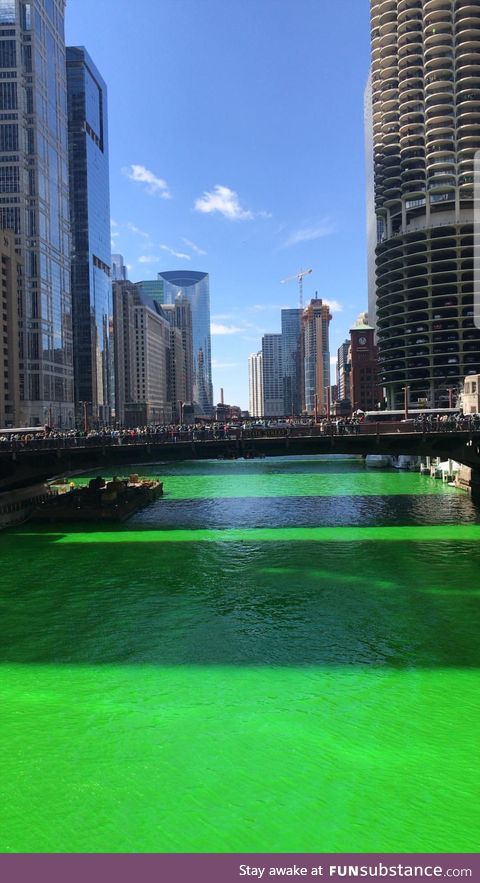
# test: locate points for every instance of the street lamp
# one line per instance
(450, 390)
(85, 415)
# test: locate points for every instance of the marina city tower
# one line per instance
(424, 118)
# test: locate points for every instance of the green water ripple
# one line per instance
(245, 689)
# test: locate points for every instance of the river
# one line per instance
(279, 655)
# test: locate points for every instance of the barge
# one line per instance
(100, 500)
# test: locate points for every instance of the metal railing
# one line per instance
(325, 429)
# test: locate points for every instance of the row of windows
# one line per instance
(8, 54)
(9, 179)
(8, 137)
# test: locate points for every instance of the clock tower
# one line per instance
(365, 392)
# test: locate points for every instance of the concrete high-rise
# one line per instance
(272, 375)
(195, 287)
(90, 224)
(255, 385)
(343, 371)
(316, 319)
(292, 361)
(179, 314)
(34, 201)
(142, 358)
(425, 78)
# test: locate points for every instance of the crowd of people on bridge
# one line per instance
(206, 430)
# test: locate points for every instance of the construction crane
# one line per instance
(300, 277)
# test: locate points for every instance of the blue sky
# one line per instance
(236, 148)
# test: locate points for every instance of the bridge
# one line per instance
(39, 459)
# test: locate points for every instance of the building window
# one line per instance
(9, 179)
(8, 54)
(7, 12)
(8, 137)
(8, 96)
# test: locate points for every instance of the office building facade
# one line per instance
(119, 269)
(343, 371)
(316, 320)
(425, 78)
(142, 359)
(292, 361)
(10, 298)
(272, 373)
(179, 314)
(123, 296)
(365, 392)
(255, 385)
(194, 286)
(90, 228)
(34, 194)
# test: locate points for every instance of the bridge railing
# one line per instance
(200, 436)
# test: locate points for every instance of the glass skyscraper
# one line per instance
(272, 375)
(90, 220)
(195, 286)
(34, 201)
(292, 361)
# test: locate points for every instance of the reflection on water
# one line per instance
(242, 694)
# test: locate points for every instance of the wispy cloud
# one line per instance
(176, 254)
(225, 201)
(193, 246)
(224, 329)
(334, 305)
(260, 308)
(333, 360)
(148, 259)
(113, 222)
(137, 231)
(307, 234)
(155, 186)
(225, 365)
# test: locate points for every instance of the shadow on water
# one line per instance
(305, 511)
(393, 604)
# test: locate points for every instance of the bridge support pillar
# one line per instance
(475, 484)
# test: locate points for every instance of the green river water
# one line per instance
(279, 655)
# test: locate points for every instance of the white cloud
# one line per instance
(334, 305)
(224, 201)
(195, 248)
(308, 234)
(259, 308)
(113, 223)
(176, 254)
(155, 185)
(224, 329)
(148, 259)
(137, 231)
(333, 360)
